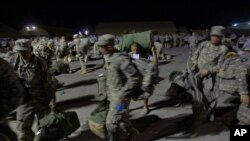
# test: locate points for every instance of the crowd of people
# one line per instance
(29, 66)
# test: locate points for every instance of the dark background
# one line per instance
(87, 13)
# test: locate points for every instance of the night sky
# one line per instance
(86, 13)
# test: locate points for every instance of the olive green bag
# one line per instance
(57, 125)
(145, 39)
(98, 119)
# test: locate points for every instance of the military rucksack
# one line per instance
(149, 74)
(57, 125)
(98, 119)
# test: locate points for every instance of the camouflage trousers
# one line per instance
(25, 117)
(83, 59)
(117, 121)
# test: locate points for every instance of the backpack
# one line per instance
(149, 73)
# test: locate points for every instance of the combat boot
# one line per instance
(133, 134)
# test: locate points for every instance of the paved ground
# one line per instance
(165, 120)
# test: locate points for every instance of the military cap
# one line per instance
(105, 40)
(22, 44)
(217, 30)
(75, 36)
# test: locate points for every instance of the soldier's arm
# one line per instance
(46, 81)
(133, 78)
(196, 54)
(241, 76)
(215, 69)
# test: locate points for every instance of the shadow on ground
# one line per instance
(77, 103)
(152, 127)
(164, 62)
(78, 84)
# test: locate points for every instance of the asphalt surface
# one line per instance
(165, 122)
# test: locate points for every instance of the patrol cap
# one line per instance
(105, 40)
(75, 36)
(217, 30)
(22, 44)
(50, 42)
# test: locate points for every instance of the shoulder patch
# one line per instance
(130, 70)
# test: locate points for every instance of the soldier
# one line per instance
(233, 38)
(122, 80)
(193, 41)
(82, 49)
(11, 96)
(186, 40)
(175, 40)
(246, 45)
(95, 50)
(206, 62)
(241, 41)
(34, 76)
(85, 47)
(181, 37)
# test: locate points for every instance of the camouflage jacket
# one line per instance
(233, 75)
(34, 76)
(122, 76)
(208, 56)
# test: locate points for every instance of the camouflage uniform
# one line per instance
(11, 95)
(193, 41)
(38, 92)
(233, 76)
(82, 48)
(209, 57)
(95, 50)
(122, 80)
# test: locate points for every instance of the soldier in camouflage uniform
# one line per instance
(34, 76)
(82, 49)
(193, 41)
(11, 96)
(208, 58)
(122, 80)
(206, 62)
(243, 114)
(232, 79)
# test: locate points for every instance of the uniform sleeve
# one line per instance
(133, 78)
(241, 76)
(215, 69)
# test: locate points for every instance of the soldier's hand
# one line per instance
(194, 67)
(244, 98)
(204, 72)
(153, 49)
(52, 104)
